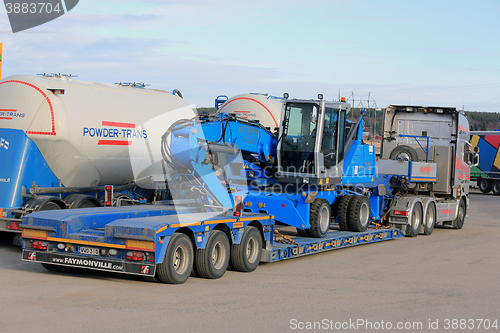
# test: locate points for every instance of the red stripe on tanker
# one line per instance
(49, 103)
(266, 109)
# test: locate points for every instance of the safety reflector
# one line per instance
(108, 195)
(32, 233)
(13, 226)
(133, 244)
(238, 205)
(401, 212)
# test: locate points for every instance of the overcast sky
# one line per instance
(437, 52)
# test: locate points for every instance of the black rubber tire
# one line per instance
(302, 233)
(49, 267)
(43, 202)
(416, 218)
(245, 257)
(78, 200)
(343, 211)
(405, 152)
(430, 219)
(319, 218)
(458, 223)
(211, 262)
(495, 187)
(359, 213)
(484, 185)
(49, 206)
(178, 262)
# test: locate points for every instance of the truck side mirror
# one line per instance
(475, 159)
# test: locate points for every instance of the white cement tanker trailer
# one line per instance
(62, 140)
(254, 106)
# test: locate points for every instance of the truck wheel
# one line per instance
(405, 153)
(245, 257)
(359, 213)
(211, 262)
(178, 261)
(343, 211)
(77, 200)
(458, 223)
(496, 187)
(430, 219)
(319, 218)
(416, 220)
(484, 185)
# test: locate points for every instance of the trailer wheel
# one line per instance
(496, 187)
(77, 200)
(319, 218)
(359, 213)
(43, 202)
(430, 219)
(343, 211)
(458, 223)
(405, 153)
(416, 220)
(245, 257)
(211, 262)
(178, 261)
(484, 185)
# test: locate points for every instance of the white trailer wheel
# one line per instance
(212, 261)
(245, 257)
(178, 261)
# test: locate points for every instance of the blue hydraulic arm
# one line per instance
(208, 153)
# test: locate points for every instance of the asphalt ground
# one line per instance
(450, 279)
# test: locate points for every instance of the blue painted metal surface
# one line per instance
(114, 228)
(334, 240)
(22, 164)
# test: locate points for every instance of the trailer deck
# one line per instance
(301, 246)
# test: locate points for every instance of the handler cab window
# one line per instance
(299, 135)
(329, 144)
